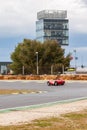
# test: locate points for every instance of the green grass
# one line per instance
(71, 121)
(16, 91)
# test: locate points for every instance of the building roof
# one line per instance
(5, 62)
(52, 14)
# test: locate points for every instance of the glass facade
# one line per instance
(53, 29)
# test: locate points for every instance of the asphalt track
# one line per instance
(72, 90)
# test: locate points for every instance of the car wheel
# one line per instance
(55, 83)
(48, 83)
(62, 84)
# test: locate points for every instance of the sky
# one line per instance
(18, 21)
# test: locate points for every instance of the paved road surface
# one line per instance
(70, 90)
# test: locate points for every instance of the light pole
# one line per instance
(37, 63)
(75, 59)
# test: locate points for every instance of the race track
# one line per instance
(71, 90)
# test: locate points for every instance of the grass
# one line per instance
(71, 121)
(16, 91)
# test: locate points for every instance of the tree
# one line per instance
(25, 55)
(49, 53)
(53, 54)
(67, 60)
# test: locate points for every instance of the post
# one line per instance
(23, 70)
(37, 63)
(75, 59)
(0, 69)
(51, 69)
(62, 69)
(6, 70)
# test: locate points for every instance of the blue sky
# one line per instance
(18, 17)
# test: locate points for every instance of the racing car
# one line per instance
(56, 82)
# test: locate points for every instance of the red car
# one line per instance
(56, 82)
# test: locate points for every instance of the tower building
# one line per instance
(52, 25)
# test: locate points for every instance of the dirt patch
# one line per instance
(20, 117)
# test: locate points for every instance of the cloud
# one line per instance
(81, 49)
(18, 17)
(76, 13)
(81, 53)
(84, 2)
